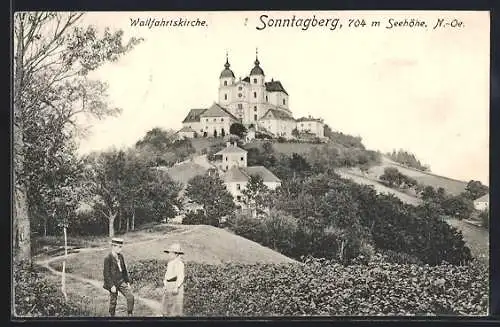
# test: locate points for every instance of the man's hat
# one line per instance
(117, 241)
(175, 248)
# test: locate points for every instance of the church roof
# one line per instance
(242, 174)
(266, 174)
(246, 79)
(231, 149)
(227, 72)
(277, 114)
(193, 116)
(484, 198)
(275, 86)
(234, 174)
(256, 70)
(217, 111)
(186, 129)
(309, 119)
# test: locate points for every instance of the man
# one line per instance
(173, 291)
(116, 277)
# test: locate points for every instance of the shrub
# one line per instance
(199, 217)
(484, 215)
(322, 287)
(36, 297)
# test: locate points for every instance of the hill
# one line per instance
(202, 244)
(360, 179)
(451, 186)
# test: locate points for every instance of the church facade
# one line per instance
(251, 101)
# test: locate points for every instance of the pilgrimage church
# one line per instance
(252, 101)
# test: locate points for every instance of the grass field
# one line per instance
(346, 173)
(452, 186)
(477, 238)
(202, 244)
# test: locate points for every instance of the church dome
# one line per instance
(227, 72)
(256, 70)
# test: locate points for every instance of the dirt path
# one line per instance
(153, 305)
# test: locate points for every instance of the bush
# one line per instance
(199, 217)
(37, 297)
(322, 287)
(484, 215)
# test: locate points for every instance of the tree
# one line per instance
(255, 195)
(458, 206)
(106, 180)
(392, 176)
(475, 190)
(120, 184)
(408, 159)
(428, 193)
(51, 62)
(210, 191)
(237, 129)
(156, 139)
(295, 132)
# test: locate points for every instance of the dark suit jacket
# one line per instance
(111, 272)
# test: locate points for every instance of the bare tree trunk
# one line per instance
(120, 217)
(128, 223)
(133, 219)
(22, 241)
(45, 220)
(112, 224)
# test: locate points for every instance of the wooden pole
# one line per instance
(63, 287)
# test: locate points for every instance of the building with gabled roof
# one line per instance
(232, 164)
(482, 203)
(250, 101)
(314, 126)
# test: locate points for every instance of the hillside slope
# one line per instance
(382, 189)
(451, 186)
(201, 244)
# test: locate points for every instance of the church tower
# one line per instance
(226, 82)
(257, 94)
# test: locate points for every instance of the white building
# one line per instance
(250, 98)
(278, 122)
(214, 121)
(250, 101)
(232, 161)
(311, 125)
(482, 203)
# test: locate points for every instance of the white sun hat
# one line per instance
(175, 248)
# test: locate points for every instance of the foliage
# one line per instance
(160, 147)
(408, 159)
(255, 194)
(458, 206)
(210, 191)
(394, 178)
(34, 296)
(213, 149)
(337, 218)
(346, 140)
(475, 189)
(484, 216)
(237, 129)
(52, 92)
(329, 156)
(326, 288)
(120, 185)
(199, 217)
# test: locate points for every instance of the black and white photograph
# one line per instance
(205, 164)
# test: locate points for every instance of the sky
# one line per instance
(421, 89)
